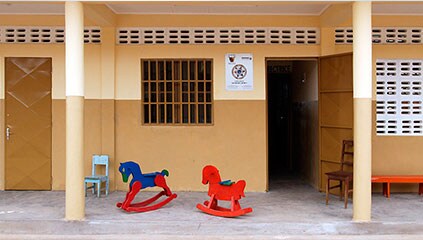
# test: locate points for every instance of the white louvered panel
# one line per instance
(153, 36)
(343, 36)
(179, 36)
(399, 102)
(92, 35)
(230, 36)
(280, 36)
(24, 34)
(385, 35)
(253, 35)
(128, 36)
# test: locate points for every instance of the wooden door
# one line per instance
(28, 123)
(335, 110)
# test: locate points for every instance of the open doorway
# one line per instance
(292, 104)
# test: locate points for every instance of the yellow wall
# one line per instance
(236, 144)
(113, 89)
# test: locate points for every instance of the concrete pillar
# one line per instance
(74, 30)
(362, 85)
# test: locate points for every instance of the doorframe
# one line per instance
(266, 60)
(2, 124)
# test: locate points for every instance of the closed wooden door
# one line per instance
(335, 110)
(28, 123)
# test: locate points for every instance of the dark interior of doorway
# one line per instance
(292, 120)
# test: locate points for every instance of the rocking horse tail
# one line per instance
(239, 187)
(165, 172)
(161, 182)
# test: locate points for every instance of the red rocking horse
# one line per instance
(222, 190)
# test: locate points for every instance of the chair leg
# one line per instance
(107, 187)
(327, 192)
(340, 191)
(347, 186)
(85, 188)
(98, 189)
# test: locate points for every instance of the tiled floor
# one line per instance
(292, 210)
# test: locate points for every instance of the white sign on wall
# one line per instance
(239, 72)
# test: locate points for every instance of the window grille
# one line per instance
(177, 91)
(399, 99)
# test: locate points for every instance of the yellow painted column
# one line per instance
(362, 86)
(74, 28)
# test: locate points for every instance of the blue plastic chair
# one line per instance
(95, 179)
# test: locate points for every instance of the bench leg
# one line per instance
(388, 190)
(420, 188)
(384, 189)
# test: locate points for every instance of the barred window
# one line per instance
(177, 91)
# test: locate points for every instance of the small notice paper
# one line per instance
(239, 72)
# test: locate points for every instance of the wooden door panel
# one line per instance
(336, 73)
(28, 115)
(335, 110)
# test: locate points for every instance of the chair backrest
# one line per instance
(100, 160)
(347, 153)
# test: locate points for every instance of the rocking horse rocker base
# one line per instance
(216, 210)
(144, 206)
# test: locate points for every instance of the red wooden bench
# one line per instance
(386, 180)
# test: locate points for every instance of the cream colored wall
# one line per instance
(128, 88)
(54, 51)
(36, 20)
(128, 57)
(390, 155)
(105, 80)
(172, 147)
(215, 21)
(93, 90)
(396, 154)
(128, 74)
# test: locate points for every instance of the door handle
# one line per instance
(8, 133)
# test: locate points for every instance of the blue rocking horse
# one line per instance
(140, 181)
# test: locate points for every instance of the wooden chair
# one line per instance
(343, 176)
(96, 179)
